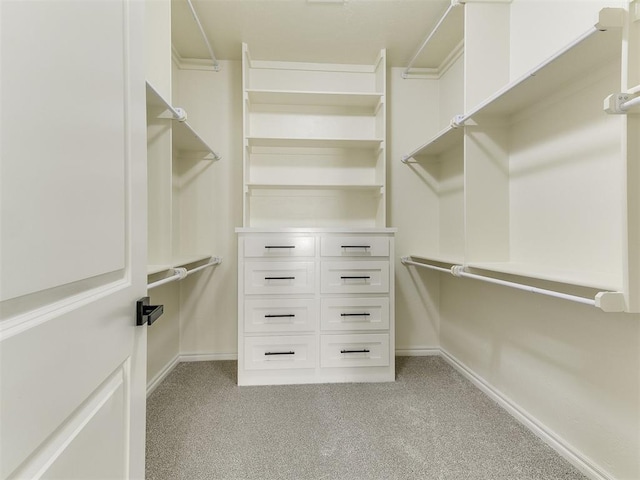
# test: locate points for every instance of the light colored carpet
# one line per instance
(429, 424)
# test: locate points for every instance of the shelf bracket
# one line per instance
(611, 302)
(620, 103)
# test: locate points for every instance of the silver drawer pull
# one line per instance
(356, 246)
(279, 246)
(279, 278)
(364, 350)
(287, 315)
(355, 314)
(280, 353)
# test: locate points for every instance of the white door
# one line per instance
(73, 236)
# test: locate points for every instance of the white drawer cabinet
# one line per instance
(269, 315)
(315, 306)
(354, 246)
(279, 246)
(286, 352)
(354, 314)
(355, 277)
(278, 277)
(364, 350)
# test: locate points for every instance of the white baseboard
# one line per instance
(159, 378)
(418, 352)
(208, 357)
(585, 465)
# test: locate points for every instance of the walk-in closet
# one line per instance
(305, 239)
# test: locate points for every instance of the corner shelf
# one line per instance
(185, 139)
(599, 45)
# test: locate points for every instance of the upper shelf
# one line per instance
(438, 45)
(292, 97)
(313, 142)
(186, 141)
(600, 45)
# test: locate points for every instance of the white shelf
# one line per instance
(440, 258)
(589, 52)
(185, 139)
(311, 186)
(153, 269)
(314, 142)
(292, 97)
(443, 40)
(443, 141)
(596, 280)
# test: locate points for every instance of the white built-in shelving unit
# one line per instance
(314, 144)
(315, 259)
(529, 171)
(171, 142)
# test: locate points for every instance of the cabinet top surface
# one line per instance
(315, 230)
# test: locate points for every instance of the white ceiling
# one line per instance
(303, 30)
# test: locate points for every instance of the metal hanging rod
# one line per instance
(216, 65)
(180, 273)
(407, 261)
(614, 302)
(214, 261)
(454, 3)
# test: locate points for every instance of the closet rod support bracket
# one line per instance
(611, 302)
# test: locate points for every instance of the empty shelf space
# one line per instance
(589, 52)
(443, 141)
(292, 97)
(153, 269)
(597, 280)
(314, 186)
(313, 142)
(439, 258)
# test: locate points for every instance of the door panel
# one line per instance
(67, 153)
(73, 239)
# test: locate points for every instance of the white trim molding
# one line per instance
(418, 352)
(161, 375)
(566, 451)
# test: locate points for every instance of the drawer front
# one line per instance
(279, 246)
(365, 350)
(355, 277)
(277, 353)
(356, 246)
(355, 314)
(278, 277)
(279, 315)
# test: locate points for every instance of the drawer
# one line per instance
(355, 277)
(280, 315)
(279, 246)
(278, 277)
(354, 314)
(364, 350)
(270, 353)
(356, 246)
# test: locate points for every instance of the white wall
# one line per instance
(211, 206)
(572, 368)
(412, 118)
